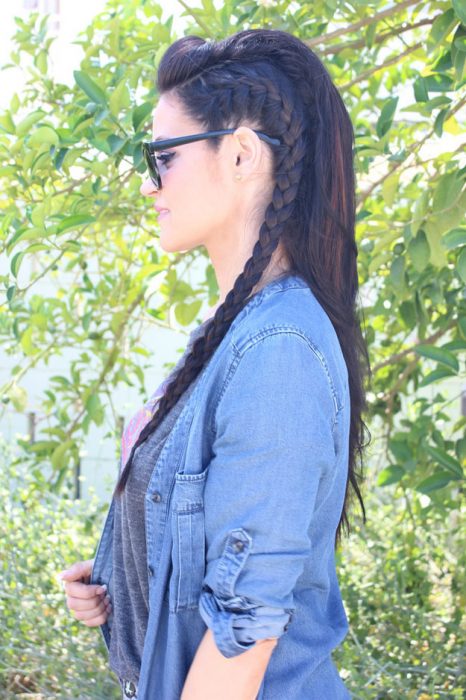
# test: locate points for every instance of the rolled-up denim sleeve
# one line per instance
(273, 444)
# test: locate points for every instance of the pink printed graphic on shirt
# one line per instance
(138, 421)
(142, 417)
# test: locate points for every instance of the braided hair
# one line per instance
(273, 81)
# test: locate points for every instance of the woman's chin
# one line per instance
(171, 245)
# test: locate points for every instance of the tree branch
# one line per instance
(430, 340)
(389, 397)
(389, 62)
(361, 23)
(191, 12)
(378, 39)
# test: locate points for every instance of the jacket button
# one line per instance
(156, 496)
(150, 570)
(238, 546)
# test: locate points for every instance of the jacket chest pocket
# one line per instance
(188, 542)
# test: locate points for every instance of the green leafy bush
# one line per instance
(44, 651)
(400, 577)
(402, 581)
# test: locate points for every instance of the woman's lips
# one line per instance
(161, 212)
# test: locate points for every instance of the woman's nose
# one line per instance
(147, 188)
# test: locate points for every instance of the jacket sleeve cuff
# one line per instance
(237, 625)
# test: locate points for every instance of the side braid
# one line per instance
(290, 126)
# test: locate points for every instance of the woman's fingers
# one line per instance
(86, 603)
(83, 590)
(96, 621)
(90, 611)
(89, 603)
(99, 608)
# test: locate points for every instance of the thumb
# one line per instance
(76, 571)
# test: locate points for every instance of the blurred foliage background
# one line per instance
(71, 167)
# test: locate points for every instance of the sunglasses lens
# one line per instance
(152, 168)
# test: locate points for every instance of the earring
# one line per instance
(238, 176)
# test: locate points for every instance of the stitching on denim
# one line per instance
(267, 332)
(187, 600)
(275, 287)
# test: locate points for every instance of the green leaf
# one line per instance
(41, 62)
(461, 265)
(14, 103)
(462, 326)
(24, 126)
(390, 475)
(44, 135)
(18, 397)
(441, 355)
(58, 459)
(446, 460)
(442, 26)
(419, 251)
(460, 10)
(116, 143)
(408, 313)
(94, 409)
(420, 210)
(439, 119)
(420, 90)
(16, 262)
(460, 43)
(91, 88)
(438, 82)
(455, 238)
(447, 191)
(120, 98)
(390, 188)
(397, 274)
(186, 313)
(74, 221)
(7, 123)
(436, 376)
(434, 482)
(42, 447)
(385, 119)
(433, 229)
(140, 114)
(399, 449)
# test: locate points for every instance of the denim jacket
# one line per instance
(243, 504)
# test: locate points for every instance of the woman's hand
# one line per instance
(88, 602)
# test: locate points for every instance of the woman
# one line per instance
(218, 547)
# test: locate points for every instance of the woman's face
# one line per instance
(198, 189)
(207, 204)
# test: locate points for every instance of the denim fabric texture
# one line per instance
(243, 503)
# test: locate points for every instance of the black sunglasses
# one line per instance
(149, 148)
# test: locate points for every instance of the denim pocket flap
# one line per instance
(188, 495)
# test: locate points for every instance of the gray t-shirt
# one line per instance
(130, 584)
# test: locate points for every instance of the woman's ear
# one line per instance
(247, 151)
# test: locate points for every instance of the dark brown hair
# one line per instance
(271, 79)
